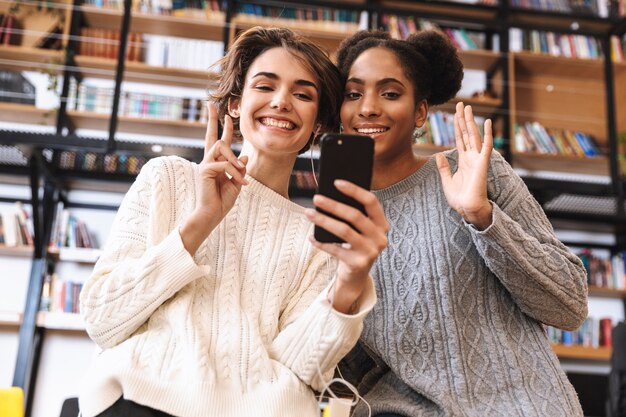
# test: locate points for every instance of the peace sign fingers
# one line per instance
(210, 138)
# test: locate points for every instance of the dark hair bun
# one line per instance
(446, 67)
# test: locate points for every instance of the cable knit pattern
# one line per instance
(237, 330)
(457, 328)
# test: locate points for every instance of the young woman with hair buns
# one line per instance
(473, 268)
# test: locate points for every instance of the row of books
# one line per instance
(89, 98)
(607, 271)
(567, 45)
(593, 7)
(439, 129)
(16, 226)
(173, 52)
(105, 43)
(187, 8)
(98, 162)
(155, 50)
(305, 13)
(534, 137)
(593, 333)
(400, 27)
(70, 232)
(601, 8)
(60, 295)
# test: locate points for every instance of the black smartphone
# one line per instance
(346, 157)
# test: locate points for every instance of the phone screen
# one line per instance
(347, 157)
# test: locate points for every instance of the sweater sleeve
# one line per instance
(133, 278)
(545, 279)
(313, 336)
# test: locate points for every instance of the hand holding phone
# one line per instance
(346, 157)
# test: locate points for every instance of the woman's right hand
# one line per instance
(221, 174)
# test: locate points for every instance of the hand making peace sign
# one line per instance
(222, 175)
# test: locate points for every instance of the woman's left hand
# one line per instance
(362, 246)
(466, 189)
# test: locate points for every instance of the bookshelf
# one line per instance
(51, 321)
(16, 251)
(600, 354)
(559, 92)
(61, 321)
(28, 114)
(606, 292)
(10, 319)
(583, 353)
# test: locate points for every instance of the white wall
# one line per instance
(8, 354)
(64, 359)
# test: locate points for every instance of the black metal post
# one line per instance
(609, 83)
(504, 65)
(25, 375)
(230, 11)
(69, 72)
(119, 75)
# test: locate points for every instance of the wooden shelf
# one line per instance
(480, 106)
(327, 34)
(175, 128)
(26, 113)
(47, 320)
(449, 9)
(18, 58)
(559, 21)
(606, 292)
(60, 321)
(582, 353)
(79, 255)
(558, 66)
(139, 72)
(10, 318)
(326, 29)
(597, 165)
(479, 59)
(210, 28)
(16, 251)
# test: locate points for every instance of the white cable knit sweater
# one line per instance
(236, 330)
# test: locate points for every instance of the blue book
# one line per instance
(566, 338)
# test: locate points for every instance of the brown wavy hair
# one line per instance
(233, 67)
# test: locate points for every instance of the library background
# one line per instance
(90, 90)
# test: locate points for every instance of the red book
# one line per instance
(6, 29)
(605, 332)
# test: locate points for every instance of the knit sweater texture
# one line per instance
(239, 329)
(457, 330)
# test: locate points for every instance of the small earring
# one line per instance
(418, 132)
(340, 127)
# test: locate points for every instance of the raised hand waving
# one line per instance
(466, 189)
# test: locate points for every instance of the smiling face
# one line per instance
(278, 107)
(379, 101)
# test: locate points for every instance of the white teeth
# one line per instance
(283, 124)
(370, 130)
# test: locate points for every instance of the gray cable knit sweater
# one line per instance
(457, 328)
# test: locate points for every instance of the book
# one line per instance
(15, 88)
